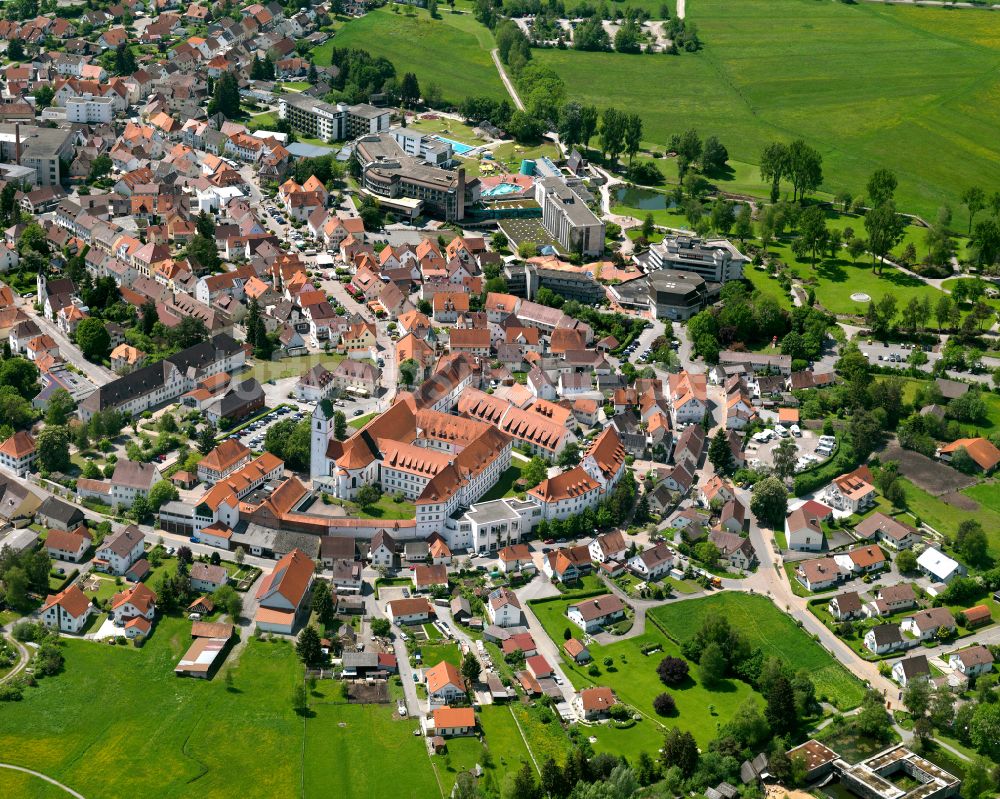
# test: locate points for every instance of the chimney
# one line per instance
(17, 143)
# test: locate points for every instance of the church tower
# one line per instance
(322, 433)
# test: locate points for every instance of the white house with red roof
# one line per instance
(67, 611)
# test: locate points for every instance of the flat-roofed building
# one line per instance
(715, 260)
(567, 217)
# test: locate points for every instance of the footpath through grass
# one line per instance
(773, 631)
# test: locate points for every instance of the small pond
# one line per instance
(643, 199)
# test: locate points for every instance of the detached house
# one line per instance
(608, 547)
(883, 638)
(68, 545)
(119, 551)
(444, 684)
(653, 563)
(887, 531)
(452, 721)
(134, 609)
(283, 595)
(892, 599)
(911, 668)
(853, 491)
(67, 611)
(845, 606)
(592, 614)
(504, 608)
(17, 454)
(736, 550)
(972, 662)
(926, 624)
(594, 703)
(514, 558)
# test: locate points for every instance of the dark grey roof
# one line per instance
(62, 512)
(286, 540)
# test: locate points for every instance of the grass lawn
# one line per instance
(546, 739)
(342, 734)
(946, 518)
(511, 154)
(505, 485)
(385, 508)
(432, 654)
(503, 738)
(13, 783)
(415, 43)
(926, 81)
(266, 121)
(768, 286)
(296, 85)
(290, 367)
(769, 628)
(360, 421)
(449, 128)
(76, 727)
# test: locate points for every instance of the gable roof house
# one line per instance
(284, 593)
(652, 563)
(593, 614)
(68, 611)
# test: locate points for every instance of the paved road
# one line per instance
(41, 776)
(507, 82)
(68, 351)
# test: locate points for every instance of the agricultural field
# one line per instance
(923, 79)
(452, 52)
(977, 502)
(60, 730)
(776, 633)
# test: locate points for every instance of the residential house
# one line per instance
(566, 564)
(68, 611)
(803, 531)
(972, 662)
(845, 606)
(138, 601)
(516, 558)
(18, 454)
(852, 491)
(888, 531)
(915, 667)
(819, 574)
(608, 547)
(940, 567)
(594, 703)
(120, 550)
(576, 651)
(284, 593)
(427, 578)
(862, 560)
(592, 614)
(735, 549)
(891, 599)
(452, 721)
(415, 610)
(208, 578)
(883, 638)
(926, 624)
(504, 608)
(69, 545)
(383, 550)
(444, 684)
(652, 563)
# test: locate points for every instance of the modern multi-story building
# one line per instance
(409, 184)
(90, 110)
(40, 149)
(715, 260)
(429, 148)
(568, 219)
(332, 122)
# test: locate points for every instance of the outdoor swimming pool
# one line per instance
(500, 190)
(457, 146)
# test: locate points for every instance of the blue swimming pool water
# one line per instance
(457, 146)
(501, 189)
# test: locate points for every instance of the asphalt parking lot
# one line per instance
(253, 436)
